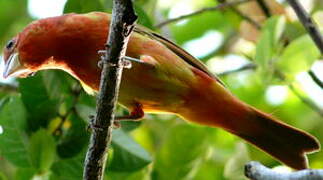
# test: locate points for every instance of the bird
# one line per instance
(166, 79)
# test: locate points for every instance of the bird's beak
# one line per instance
(14, 68)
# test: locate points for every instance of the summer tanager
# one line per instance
(168, 79)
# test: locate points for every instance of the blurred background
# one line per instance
(262, 53)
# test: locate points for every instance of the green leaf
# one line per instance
(58, 83)
(69, 169)
(234, 167)
(7, 18)
(268, 42)
(196, 26)
(84, 111)
(42, 150)
(75, 139)
(83, 6)
(298, 56)
(143, 18)
(13, 140)
(3, 176)
(127, 154)
(39, 102)
(25, 173)
(180, 153)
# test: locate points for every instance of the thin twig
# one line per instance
(249, 66)
(256, 171)
(315, 78)
(220, 6)
(123, 18)
(301, 97)
(263, 6)
(306, 100)
(245, 17)
(242, 15)
(76, 92)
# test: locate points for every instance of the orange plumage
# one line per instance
(168, 80)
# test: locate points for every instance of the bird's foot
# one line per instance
(91, 125)
(126, 61)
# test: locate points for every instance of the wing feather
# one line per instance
(177, 50)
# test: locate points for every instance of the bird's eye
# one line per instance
(10, 44)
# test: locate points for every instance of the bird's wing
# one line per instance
(177, 50)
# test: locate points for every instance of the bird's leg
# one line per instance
(135, 114)
(126, 60)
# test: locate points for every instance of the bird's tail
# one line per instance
(287, 144)
(221, 109)
(210, 104)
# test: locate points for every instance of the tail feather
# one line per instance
(289, 145)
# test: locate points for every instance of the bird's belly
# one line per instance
(151, 89)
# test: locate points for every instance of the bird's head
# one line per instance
(64, 42)
(14, 65)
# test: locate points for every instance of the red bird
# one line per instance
(168, 79)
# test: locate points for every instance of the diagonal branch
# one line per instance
(123, 18)
(306, 100)
(263, 6)
(243, 16)
(312, 30)
(220, 6)
(308, 23)
(256, 171)
(249, 66)
(315, 78)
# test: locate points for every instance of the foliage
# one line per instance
(44, 132)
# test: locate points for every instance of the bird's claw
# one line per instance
(91, 125)
(126, 61)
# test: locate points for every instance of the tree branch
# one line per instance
(312, 30)
(306, 100)
(263, 6)
(249, 66)
(315, 78)
(242, 15)
(256, 171)
(123, 18)
(220, 6)
(308, 23)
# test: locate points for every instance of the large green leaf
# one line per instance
(2, 176)
(269, 39)
(75, 139)
(25, 173)
(143, 18)
(83, 6)
(298, 56)
(41, 106)
(196, 26)
(7, 18)
(69, 169)
(234, 167)
(127, 154)
(13, 140)
(179, 155)
(42, 150)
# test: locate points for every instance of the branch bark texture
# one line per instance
(123, 19)
(256, 171)
(308, 23)
(312, 30)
